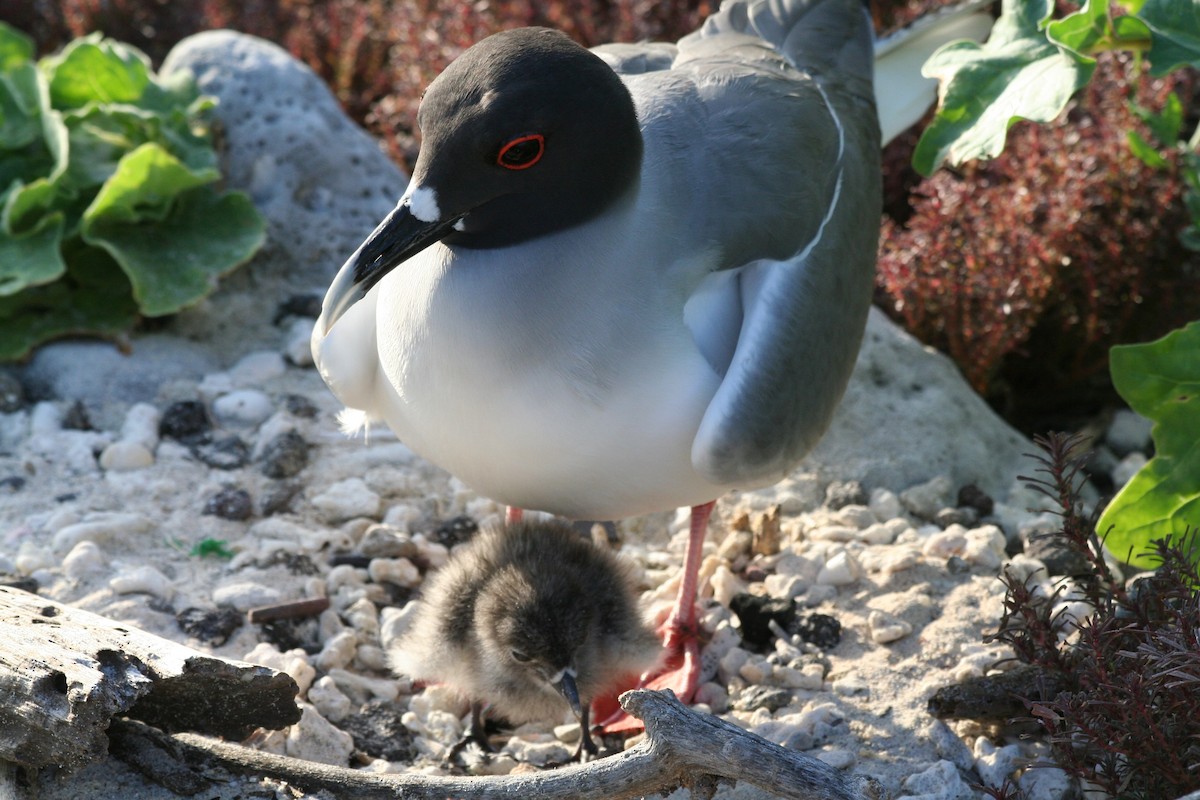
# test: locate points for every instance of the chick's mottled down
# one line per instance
(531, 618)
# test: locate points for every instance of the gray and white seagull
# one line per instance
(633, 278)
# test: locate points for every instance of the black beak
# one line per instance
(566, 686)
(398, 238)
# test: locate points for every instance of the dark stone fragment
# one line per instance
(184, 421)
(76, 418)
(230, 503)
(300, 406)
(298, 305)
(1058, 558)
(820, 630)
(210, 625)
(278, 498)
(756, 612)
(965, 516)
(384, 541)
(455, 531)
(976, 498)
(957, 565)
(228, 452)
(22, 582)
(377, 731)
(12, 393)
(357, 560)
(285, 455)
(288, 634)
(65, 497)
(840, 494)
(996, 697)
(12, 483)
(295, 563)
(772, 698)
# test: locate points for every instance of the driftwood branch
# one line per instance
(682, 747)
(65, 673)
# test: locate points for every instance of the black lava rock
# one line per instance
(230, 503)
(12, 484)
(300, 406)
(976, 498)
(298, 305)
(76, 418)
(840, 494)
(184, 421)
(1059, 559)
(228, 452)
(821, 630)
(285, 455)
(756, 612)
(12, 393)
(377, 731)
(772, 698)
(210, 625)
(965, 516)
(455, 531)
(278, 498)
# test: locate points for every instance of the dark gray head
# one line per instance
(524, 134)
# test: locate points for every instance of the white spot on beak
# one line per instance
(461, 224)
(422, 202)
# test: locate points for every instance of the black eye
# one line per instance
(522, 152)
(519, 656)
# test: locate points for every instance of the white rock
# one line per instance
(345, 499)
(293, 662)
(439, 697)
(32, 557)
(337, 652)
(361, 688)
(143, 579)
(879, 533)
(1023, 568)
(46, 418)
(833, 533)
(1046, 783)
(926, 499)
(731, 664)
(1129, 466)
(537, 753)
(314, 738)
(985, 546)
(713, 695)
(837, 758)
(85, 558)
(995, 764)
(841, 569)
(328, 699)
(298, 342)
(885, 504)
(854, 516)
(245, 595)
(434, 554)
(345, 575)
(943, 544)
(141, 425)
(850, 685)
(785, 586)
(810, 677)
(370, 657)
(243, 408)
(756, 669)
(886, 628)
(255, 369)
(940, 782)
(101, 528)
(949, 745)
(363, 616)
(1128, 432)
(399, 571)
(125, 456)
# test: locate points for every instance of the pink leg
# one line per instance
(681, 671)
(513, 514)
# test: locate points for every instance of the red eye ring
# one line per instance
(523, 157)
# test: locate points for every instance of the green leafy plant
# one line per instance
(109, 208)
(1033, 63)
(1161, 381)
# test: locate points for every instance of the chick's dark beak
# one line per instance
(566, 687)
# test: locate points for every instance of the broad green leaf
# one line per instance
(15, 47)
(142, 189)
(19, 107)
(93, 298)
(175, 262)
(1017, 74)
(1145, 151)
(1161, 381)
(96, 70)
(1087, 31)
(1175, 29)
(29, 238)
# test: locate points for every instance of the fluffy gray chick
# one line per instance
(530, 618)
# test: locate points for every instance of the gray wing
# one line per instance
(795, 159)
(637, 59)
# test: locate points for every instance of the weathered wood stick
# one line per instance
(682, 747)
(65, 673)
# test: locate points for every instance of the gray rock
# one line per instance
(12, 393)
(109, 381)
(909, 415)
(1128, 432)
(321, 181)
